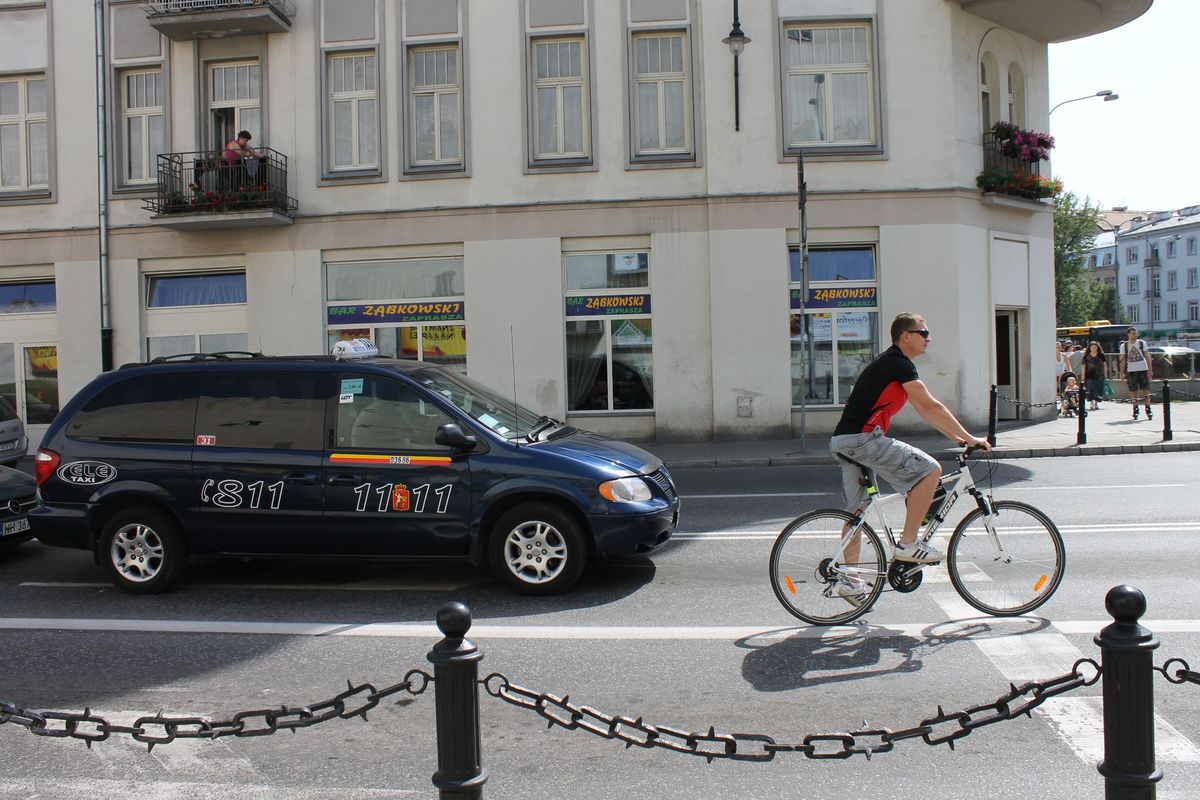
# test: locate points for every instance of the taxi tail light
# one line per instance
(44, 464)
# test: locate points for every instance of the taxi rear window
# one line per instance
(144, 408)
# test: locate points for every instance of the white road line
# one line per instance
(1002, 490)
(1079, 721)
(963, 618)
(760, 494)
(307, 587)
(1114, 527)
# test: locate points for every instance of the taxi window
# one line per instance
(263, 410)
(143, 408)
(380, 414)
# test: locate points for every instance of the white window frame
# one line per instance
(1131, 255)
(1131, 284)
(355, 96)
(24, 120)
(1172, 311)
(1171, 248)
(559, 84)
(1193, 311)
(660, 80)
(146, 157)
(1133, 313)
(1156, 312)
(1191, 277)
(867, 68)
(240, 105)
(1191, 246)
(1172, 280)
(441, 93)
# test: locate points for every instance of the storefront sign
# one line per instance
(608, 305)
(852, 327)
(851, 297)
(395, 313)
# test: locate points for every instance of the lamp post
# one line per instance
(1107, 94)
(737, 41)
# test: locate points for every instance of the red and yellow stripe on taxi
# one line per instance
(385, 459)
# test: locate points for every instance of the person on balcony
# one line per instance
(238, 151)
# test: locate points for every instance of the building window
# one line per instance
(412, 309)
(985, 95)
(1191, 246)
(1191, 277)
(1108, 259)
(172, 291)
(828, 86)
(662, 107)
(234, 101)
(1193, 311)
(1155, 284)
(560, 99)
(435, 106)
(1131, 255)
(609, 335)
(1172, 281)
(1131, 284)
(28, 298)
(1156, 312)
(29, 380)
(1016, 95)
(1172, 312)
(142, 125)
(1171, 248)
(838, 333)
(24, 144)
(1133, 313)
(353, 112)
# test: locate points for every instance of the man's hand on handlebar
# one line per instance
(972, 444)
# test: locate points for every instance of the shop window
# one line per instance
(29, 380)
(837, 333)
(609, 336)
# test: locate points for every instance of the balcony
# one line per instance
(1008, 175)
(185, 20)
(1067, 20)
(202, 191)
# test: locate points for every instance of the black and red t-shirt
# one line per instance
(878, 394)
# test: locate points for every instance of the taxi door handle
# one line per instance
(344, 480)
(300, 478)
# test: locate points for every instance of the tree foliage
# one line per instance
(1078, 295)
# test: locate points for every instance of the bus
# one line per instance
(1094, 330)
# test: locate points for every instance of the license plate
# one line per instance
(15, 526)
(9, 445)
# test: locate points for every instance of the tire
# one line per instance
(537, 549)
(142, 550)
(1016, 581)
(801, 563)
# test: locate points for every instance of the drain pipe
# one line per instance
(106, 343)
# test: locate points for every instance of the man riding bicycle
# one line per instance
(882, 389)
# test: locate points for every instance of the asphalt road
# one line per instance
(688, 638)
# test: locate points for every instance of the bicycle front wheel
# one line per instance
(807, 564)
(1011, 568)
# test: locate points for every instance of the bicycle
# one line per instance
(1004, 558)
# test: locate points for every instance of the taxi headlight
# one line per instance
(625, 490)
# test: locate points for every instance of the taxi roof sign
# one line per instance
(354, 348)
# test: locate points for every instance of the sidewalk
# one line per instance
(1110, 430)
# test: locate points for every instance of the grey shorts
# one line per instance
(902, 465)
(1137, 380)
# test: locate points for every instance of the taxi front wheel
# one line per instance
(537, 549)
(142, 550)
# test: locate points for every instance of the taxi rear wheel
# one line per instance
(142, 550)
(537, 549)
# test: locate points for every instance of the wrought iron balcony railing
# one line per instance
(204, 182)
(188, 20)
(993, 159)
(163, 7)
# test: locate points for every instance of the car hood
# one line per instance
(15, 484)
(606, 453)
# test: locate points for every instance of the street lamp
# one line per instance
(737, 41)
(1107, 94)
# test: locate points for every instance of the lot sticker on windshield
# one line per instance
(371, 458)
(87, 473)
(352, 386)
(346, 397)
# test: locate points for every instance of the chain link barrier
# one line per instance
(942, 728)
(158, 728)
(1183, 674)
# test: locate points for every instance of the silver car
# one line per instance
(12, 435)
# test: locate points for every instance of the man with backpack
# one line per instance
(1137, 370)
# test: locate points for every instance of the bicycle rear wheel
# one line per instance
(1015, 571)
(806, 565)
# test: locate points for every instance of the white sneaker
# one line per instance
(852, 591)
(917, 553)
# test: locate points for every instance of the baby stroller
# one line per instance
(1069, 399)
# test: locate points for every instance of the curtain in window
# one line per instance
(196, 290)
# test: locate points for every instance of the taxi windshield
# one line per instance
(482, 404)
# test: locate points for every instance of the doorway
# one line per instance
(1007, 375)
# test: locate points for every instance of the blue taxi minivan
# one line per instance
(347, 455)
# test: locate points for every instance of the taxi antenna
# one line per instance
(512, 351)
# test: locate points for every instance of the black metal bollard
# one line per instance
(456, 690)
(991, 437)
(1167, 434)
(1081, 436)
(1127, 669)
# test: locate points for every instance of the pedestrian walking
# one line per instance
(1137, 370)
(1095, 372)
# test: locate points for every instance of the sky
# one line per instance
(1143, 149)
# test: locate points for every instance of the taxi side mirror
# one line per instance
(450, 435)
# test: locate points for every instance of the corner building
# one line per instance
(571, 200)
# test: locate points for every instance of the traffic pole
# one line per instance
(460, 774)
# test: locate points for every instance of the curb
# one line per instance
(941, 455)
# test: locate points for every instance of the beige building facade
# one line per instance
(573, 201)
